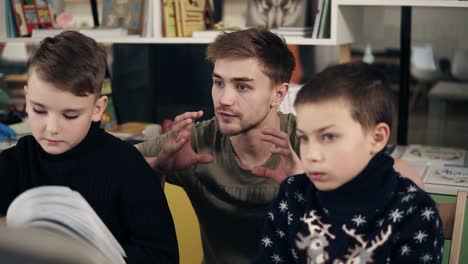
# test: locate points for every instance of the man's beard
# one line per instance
(243, 130)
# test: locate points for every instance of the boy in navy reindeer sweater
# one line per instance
(350, 206)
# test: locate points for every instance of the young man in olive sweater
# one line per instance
(218, 161)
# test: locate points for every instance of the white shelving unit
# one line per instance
(415, 3)
(344, 29)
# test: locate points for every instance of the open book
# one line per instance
(60, 209)
(444, 169)
(448, 177)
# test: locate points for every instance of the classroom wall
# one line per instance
(445, 28)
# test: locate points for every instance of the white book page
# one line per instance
(64, 209)
(434, 154)
(456, 175)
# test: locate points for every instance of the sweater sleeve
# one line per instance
(421, 238)
(8, 176)
(274, 243)
(146, 215)
(151, 148)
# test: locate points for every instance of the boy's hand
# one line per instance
(177, 153)
(6, 131)
(290, 164)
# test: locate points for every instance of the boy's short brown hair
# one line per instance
(71, 61)
(365, 87)
(259, 43)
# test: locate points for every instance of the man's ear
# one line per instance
(99, 108)
(280, 91)
(380, 135)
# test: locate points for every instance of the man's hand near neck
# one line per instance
(249, 148)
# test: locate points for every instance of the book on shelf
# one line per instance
(62, 210)
(31, 14)
(317, 16)
(123, 14)
(178, 18)
(325, 17)
(191, 16)
(152, 19)
(43, 13)
(17, 19)
(276, 14)
(169, 28)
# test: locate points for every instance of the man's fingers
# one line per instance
(279, 142)
(175, 146)
(181, 125)
(275, 132)
(188, 115)
(281, 151)
(262, 172)
(185, 132)
(204, 158)
(275, 136)
(267, 173)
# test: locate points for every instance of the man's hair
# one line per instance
(71, 61)
(270, 50)
(364, 87)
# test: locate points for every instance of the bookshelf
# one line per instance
(344, 27)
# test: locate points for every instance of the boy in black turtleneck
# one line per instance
(69, 148)
(350, 206)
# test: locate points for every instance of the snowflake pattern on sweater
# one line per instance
(378, 217)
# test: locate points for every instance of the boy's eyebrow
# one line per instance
(319, 130)
(65, 110)
(38, 104)
(236, 79)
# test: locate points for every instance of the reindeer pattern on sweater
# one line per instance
(385, 219)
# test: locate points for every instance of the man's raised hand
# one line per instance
(290, 164)
(177, 153)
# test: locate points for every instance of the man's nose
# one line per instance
(227, 96)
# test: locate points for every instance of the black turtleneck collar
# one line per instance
(85, 145)
(369, 190)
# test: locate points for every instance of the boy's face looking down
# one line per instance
(59, 119)
(244, 97)
(334, 147)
